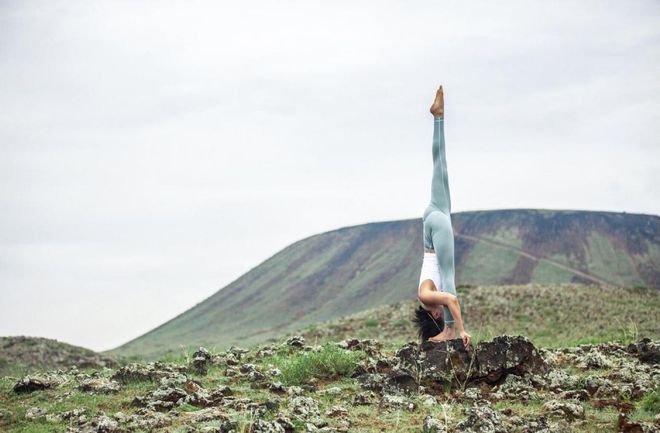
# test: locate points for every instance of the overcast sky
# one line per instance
(153, 152)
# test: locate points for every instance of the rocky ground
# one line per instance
(505, 384)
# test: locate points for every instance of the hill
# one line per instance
(22, 355)
(348, 270)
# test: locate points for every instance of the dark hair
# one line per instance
(427, 326)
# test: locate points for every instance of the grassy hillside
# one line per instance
(22, 354)
(355, 268)
(549, 315)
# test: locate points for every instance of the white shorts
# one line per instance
(430, 271)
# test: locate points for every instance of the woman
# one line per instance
(439, 316)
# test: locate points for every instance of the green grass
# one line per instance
(651, 402)
(329, 363)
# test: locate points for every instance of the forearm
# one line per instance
(455, 310)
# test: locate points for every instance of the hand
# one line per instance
(465, 337)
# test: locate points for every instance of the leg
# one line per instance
(440, 198)
(442, 235)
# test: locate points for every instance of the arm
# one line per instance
(433, 297)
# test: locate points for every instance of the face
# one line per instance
(436, 313)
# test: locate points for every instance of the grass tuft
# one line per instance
(651, 402)
(330, 362)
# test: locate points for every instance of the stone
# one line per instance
(400, 382)
(390, 401)
(564, 409)
(481, 418)
(449, 362)
(304, 406)
(295, 341)
(99, 386)
(35, 412)
(646, 350)
(201, 360)
(153, 372)
(33, 383)
(433, 425)
(364, 398)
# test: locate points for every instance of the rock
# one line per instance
(400, 382)
(294, 390)
(333, 390)
(567, 410)
(35, 412)
(390, 401)
(231, 359)
(579, 395)
(35, 383)
(370, 346)
(472, 394)
(261, 426)
(286, 423)
(265, 351)
(304, 406)
(165, 397)
(277, 387)
(252, 373)
(505, 355)
(153, 371)
(515, 388)
(408, 355)
(364, 398)
(433, 425)
(148, 420)
(626, 426)
(558, 380)
(481, 418)
(594, 360)
(336, 411)
(428, 400)
(372, 381)
(105, 424)
(99, 386)
(201, 361)
(646, 350)
(449, 362)
(295, 341)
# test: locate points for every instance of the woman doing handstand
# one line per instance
(439, 316)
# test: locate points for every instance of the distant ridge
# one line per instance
(350, 269)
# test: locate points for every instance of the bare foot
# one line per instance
(445, 335)
(438, 107)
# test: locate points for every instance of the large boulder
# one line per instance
(450, 363)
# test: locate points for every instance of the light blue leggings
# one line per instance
(438, 231)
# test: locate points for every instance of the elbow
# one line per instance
(453, 300)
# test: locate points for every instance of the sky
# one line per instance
(153, 152)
